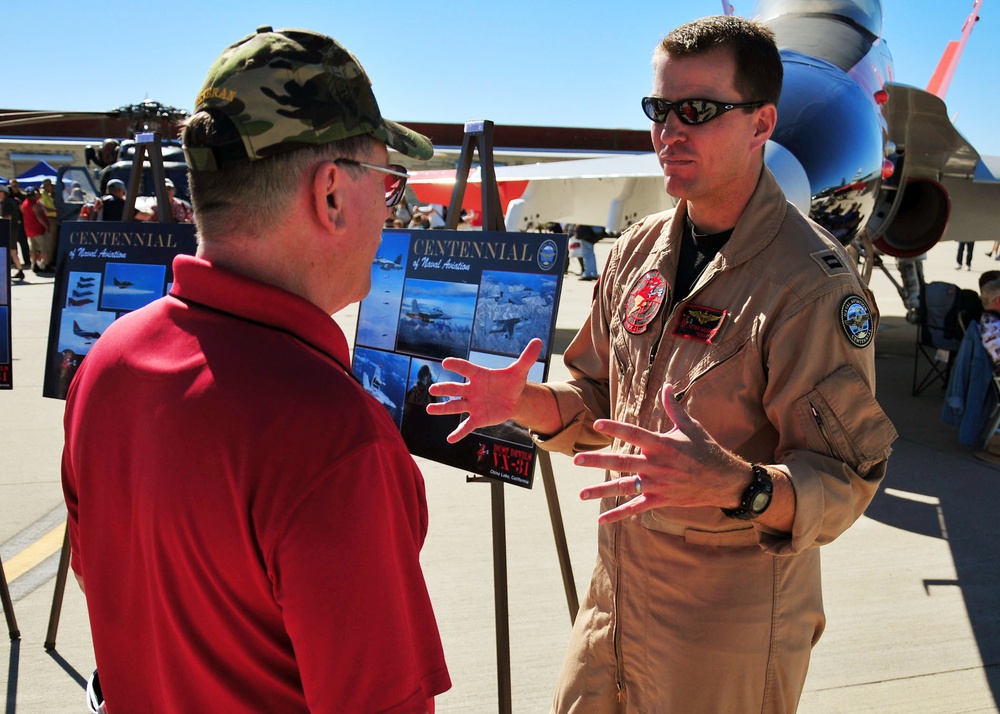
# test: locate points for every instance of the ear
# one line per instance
(765, 119)
(326, 198)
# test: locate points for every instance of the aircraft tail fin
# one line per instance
(941, 80)
(727, 9)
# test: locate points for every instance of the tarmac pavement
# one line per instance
(911, 591)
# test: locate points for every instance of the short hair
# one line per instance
(249, 195)
(758, 64)
(988, 276)
(990, 292)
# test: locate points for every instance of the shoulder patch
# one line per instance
(857, 321)
(831, 263)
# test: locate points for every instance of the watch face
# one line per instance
(760, 502)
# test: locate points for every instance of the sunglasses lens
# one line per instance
(394, 186)
(697, 111)
(656, 109)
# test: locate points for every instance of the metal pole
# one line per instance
(57, 595)
(8, 606)
(559, 532)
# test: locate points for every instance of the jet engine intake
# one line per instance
(911, 219)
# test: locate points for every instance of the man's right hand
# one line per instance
(488, 396)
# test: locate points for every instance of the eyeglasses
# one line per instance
(690, 111)
(395, 178)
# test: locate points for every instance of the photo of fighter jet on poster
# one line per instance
(476, 295)
(105, 271)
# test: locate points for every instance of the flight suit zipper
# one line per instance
(824, 433)
(619, 677)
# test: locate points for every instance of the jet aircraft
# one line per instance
(428, 314)
(507, 325)
(122, 283)
(386, 264)
(85, 334)
(374, 388)
(79, 303)
(83, 294)
(877, 163)
(516, 296)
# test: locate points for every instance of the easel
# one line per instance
(479, 135)
(146, 142)
(8, 606)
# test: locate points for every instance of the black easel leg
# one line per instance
(500, 596)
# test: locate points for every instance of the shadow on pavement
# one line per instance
(937, 488)
(68, 669)
(12, 667)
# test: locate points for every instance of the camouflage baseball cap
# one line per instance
(289, 89)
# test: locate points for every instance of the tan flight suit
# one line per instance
(688, 610)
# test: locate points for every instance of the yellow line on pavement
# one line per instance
(35, 553)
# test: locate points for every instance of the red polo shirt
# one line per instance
(246, 518)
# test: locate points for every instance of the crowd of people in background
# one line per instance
(34, 220)
(33, 226)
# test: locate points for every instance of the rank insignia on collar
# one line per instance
(644, 301)
(857, 320)
(697, 322)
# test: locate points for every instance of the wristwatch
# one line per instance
(756, 498)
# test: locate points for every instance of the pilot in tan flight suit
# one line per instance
(728, 360)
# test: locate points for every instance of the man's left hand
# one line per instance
(684, 466)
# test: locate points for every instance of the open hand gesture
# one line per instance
(488, 396)
(683, 466)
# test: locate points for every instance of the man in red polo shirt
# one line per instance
(245, 519)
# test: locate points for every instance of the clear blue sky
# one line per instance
(528, 62)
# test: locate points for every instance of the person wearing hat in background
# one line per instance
(181, 210)
(111, 206)
(36, 227)
(8, 210)
(258, 549)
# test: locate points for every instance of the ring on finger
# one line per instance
(638, 485)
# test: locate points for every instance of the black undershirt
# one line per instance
(697, 251)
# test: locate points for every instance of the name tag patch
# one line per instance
(697, 322)
(644, 302)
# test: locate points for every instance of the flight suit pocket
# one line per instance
(842, 419)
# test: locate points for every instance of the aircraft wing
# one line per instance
(613, 191)
(920, 128)
(933, 149)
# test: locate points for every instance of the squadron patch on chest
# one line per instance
(644, 302)
(857, 320)
(697, 322)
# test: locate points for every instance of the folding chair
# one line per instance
(994, 423)
(939, 334)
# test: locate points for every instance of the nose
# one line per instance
(668, 132)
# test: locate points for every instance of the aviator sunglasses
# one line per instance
(690, 111)
(394, 180)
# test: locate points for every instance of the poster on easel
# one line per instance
(477, 295)
(6, 357)
(106, 269)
